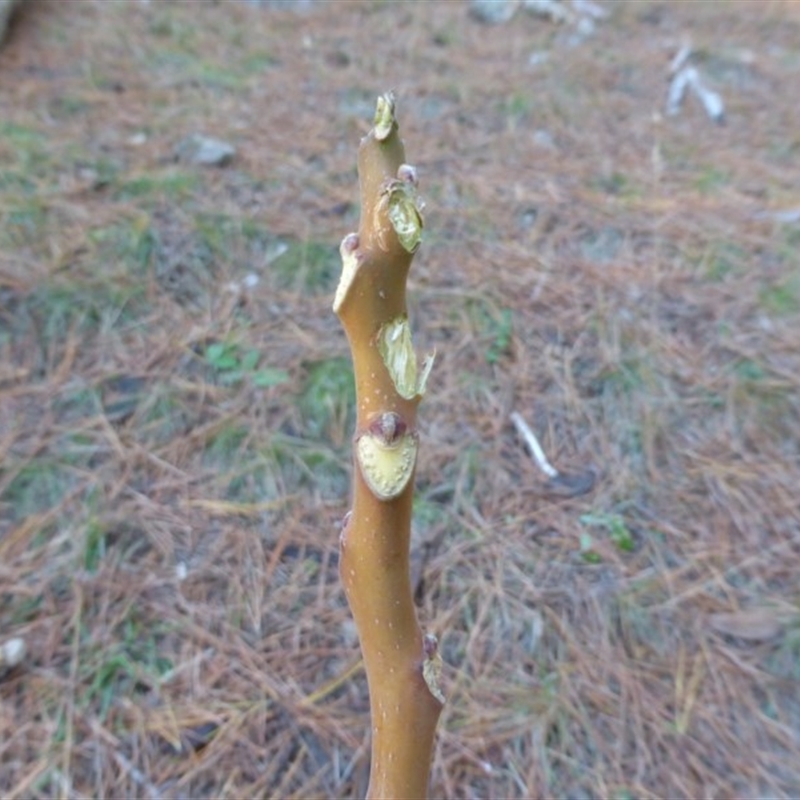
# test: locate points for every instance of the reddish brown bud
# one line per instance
(388, 427)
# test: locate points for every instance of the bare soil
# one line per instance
(176, 398)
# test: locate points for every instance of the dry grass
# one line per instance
(174, 454)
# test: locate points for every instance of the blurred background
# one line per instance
(608, 253)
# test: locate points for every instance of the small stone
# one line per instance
(602, 246)
(538, 57)
(552, 9)
(205, 151)
(543, 138)
(494, 12)
(12, 652)
(754, 625)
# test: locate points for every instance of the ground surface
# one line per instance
(174, 434)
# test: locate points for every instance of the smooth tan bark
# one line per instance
(401, 664)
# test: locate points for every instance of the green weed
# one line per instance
(232, 365)
(216, 76)
(304, 464)
(30, 150)
(23, 224)
(162, 415)
(258, 61)
(65, 106)
(307, 266)
(782, 298)
(57, 306)
(771, 402)
(252, 482)
(224, 446)
(428, 513)
(444, 37)
(37, 486)
(167, 185)
(328, 399)
(220, 233)
(784, 660)
(106, 171)
(167, 27)
(324, 471)
(185, 65)
(16, 181)
(133, 662)
(21, 136)
(790, 245)
(107, 679)
(634, 621)
(749, 371)
(501, 333)
(494, 327)
(518, 106)
(615, 527)
(711, 179)
(248, 471)
(616, 183)
(624, 378)
(724, 259)
(588, 553)
(131, 244)
(26, 610)
(94, 546)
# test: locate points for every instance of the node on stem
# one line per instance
(387, 454)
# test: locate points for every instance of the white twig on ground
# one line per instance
(677, 89)
(533, 445)
(138, 777)
(681, 57)
(685, 76)
(712, 102)
(787, 216)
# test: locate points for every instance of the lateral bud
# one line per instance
(407, 174)
(432, 666)
(348, 250)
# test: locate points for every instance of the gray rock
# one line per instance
(543, 138)
(602, 246)
(493, 11)
(551, 9)
(205, 151)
